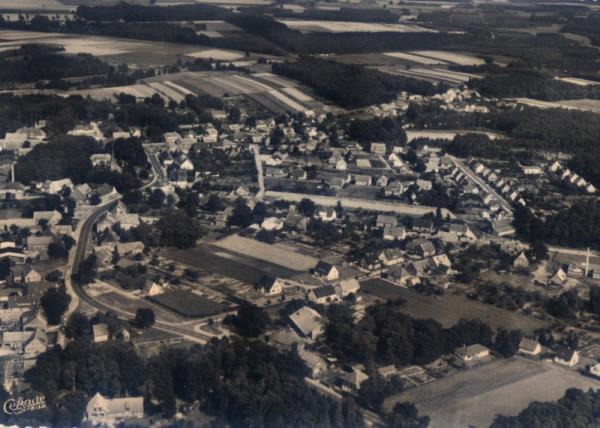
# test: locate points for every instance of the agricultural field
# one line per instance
(577, 81)
(354, 27)
(189, 304)
(217, 54)
(506, 386)
(35, 5)
(451, 57)
(218, 260)
(431, 74)
(272, 253)
(582, 105)
(449, 309)
(273, 93)
(418, 59)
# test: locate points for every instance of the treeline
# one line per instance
(137, 13)
(350, 86)
(577, 226)
(388, 336)
(511, 82)
(153, 31)
(33, 63)
(235, 381)
(343, 43)
(529, 131)
(342, 14)
(587, 26)
(575, 409)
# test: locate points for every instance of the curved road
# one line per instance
(78, 294)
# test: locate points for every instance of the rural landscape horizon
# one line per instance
(294, 213)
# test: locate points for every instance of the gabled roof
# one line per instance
(306, 320)
(324, 267)
(325, 291)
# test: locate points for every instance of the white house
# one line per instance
(472, 353)
(529, 347)
(323, 295)
(307, 322)
(100, 332)
(111, 411)
(327, 271)
(565, 356)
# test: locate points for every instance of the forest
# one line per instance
(513, 82)
(32, 63)
(236, 381)
(350, 86)
(388, 336)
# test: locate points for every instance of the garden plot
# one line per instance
(308, 26)
(452, 57)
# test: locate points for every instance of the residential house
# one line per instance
(521, 261)
(323, 295)
(325, 213)
(101, 160)
(315, 363)
(378, 148)
(101, 411)
(423, 225)
(27, 274)
(352, 381)
(424, 185)
(558, 278)
(327, 271)
(362, 180)
(348, 286)
(472, 353)
(151, 288)
(270, 286)
(384, 221)
(566, 356)
(307, 322)
(100, 333)
(50, 218)
(529, 347)
(391, 256)
(394, 233)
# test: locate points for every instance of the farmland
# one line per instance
(431, 74)
(582, 105)
(274, 254)
(474, 397)
(229, 264)
(188, 304)
(306, 26)
(450, 309)
(274, 93)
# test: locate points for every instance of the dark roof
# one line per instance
(265, 281)
(564, 353)
(324, 291)
(422, 223)
(323, 267)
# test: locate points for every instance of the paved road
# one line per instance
(479, 181)
(78, 294)
(259, 168)
(159, 172)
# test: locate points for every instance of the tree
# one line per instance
(306, 207)
(86, 272)
(55, 303)
(156, 199)
(144, 318)
(251, 321)
(507, 343)
(241, 215)
(215, 203)
(372, 392)
(406, 415)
